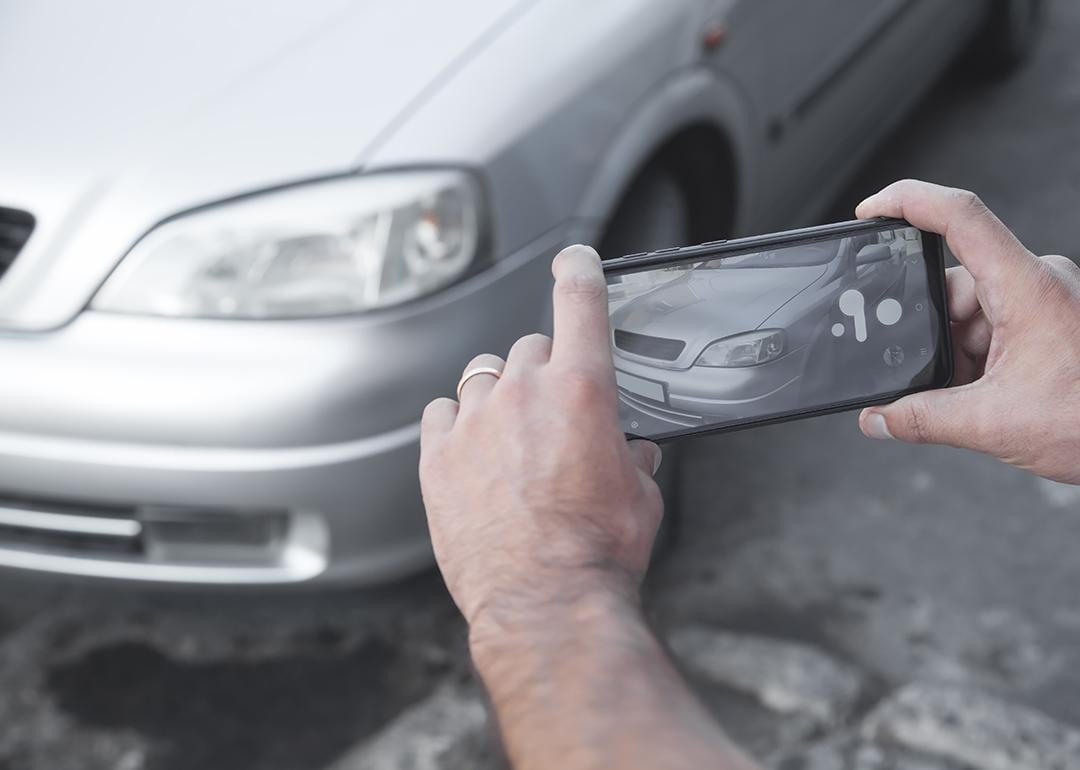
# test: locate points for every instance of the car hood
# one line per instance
(115, 119)
(707, 305)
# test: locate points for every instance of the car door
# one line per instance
(784, 56)
(837, 97)
(814, 105)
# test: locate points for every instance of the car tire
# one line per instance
(655, 214)
(1007, 37)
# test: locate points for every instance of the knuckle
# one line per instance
(1054, 279)
(432, 410)
(906, 189)
(535, 341)
(484, 359)
(434, 419)
(918, 422)
(969, 201)
(1061, 265)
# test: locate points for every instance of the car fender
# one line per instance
(691, 96)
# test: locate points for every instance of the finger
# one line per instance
(934, 417)
(472, 392)
(437, 420)
(582, 334)
(966, 369)
(529, 352)
(646, 455)
(963, 300)
(973, 337)
(971, 349)
(985, 246)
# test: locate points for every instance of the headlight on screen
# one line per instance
(325, 248)
(748, 349)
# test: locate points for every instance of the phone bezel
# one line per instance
(933, 254)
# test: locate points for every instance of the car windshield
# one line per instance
(803, 255)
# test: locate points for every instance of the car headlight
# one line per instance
(748, 349)
(325, 248)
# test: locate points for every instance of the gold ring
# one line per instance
(473, 373)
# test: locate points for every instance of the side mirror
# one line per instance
(875, 252)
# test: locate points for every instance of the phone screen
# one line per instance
(773, 333)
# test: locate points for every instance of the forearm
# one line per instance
(587, 685)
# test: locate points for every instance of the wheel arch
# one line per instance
(695, 125)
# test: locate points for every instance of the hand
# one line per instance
(543, 517)
(534, 497)
(1015, 324)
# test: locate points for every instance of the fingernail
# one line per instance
(657, 459)
(876, 427)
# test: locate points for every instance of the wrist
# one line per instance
(551, 610)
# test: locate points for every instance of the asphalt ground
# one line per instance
(862, 589)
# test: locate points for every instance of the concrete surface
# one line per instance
(891, 606)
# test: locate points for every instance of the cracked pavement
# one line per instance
(840, 603)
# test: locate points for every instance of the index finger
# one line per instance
(582, 334)
(980, 241)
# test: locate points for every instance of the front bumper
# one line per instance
(305, 431)
(661, 399)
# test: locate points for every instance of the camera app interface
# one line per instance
(750, 336)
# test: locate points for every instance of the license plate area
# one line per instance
(639, 386)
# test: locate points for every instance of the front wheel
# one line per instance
(654, 215)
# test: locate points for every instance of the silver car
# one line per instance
(244, 243)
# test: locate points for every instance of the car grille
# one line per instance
(15, 229)
(660, 348)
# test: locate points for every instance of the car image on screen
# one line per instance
(756, 335)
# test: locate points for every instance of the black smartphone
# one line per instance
(759, 330)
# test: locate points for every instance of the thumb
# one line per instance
(646, 456)
(933, 417)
